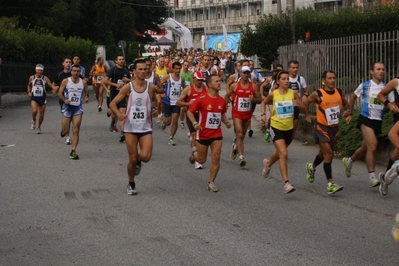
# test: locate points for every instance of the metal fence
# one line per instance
(350, 57)
(15, 75)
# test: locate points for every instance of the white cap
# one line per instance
(245, 69)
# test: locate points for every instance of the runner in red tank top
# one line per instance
(186, 99)
(245, 95)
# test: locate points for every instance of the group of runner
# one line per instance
(192, 89)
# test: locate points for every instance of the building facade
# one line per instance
(204, 17)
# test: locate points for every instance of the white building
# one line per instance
(207, 16)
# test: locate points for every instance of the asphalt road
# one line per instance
(56, 211)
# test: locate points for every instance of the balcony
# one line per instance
(200, 4)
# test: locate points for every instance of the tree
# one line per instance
(270, 33)
(102, 22)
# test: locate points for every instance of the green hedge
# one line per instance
(20, 45)
(345, 22)
(272, 31)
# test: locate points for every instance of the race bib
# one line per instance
(74, 98)
(213, 120)
(38, 91)
(374, 103)
(284, 109)
(100, 79)
(244, 104)
(120, 82)
(332, 115)
(174, 94)
(138, 114)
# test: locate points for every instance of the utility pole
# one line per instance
(291, 13)
(279, 8)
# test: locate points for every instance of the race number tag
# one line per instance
(213, 120)
(332, 115)
(38, 90)
(120, 82)
(74, 98)
(374, 103)
(174, 94)
(138, 114)
(100, 79)
(284, 109)
(244, 104)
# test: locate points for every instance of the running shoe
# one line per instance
(108, 114)
(197, 165)
(73, 155)
(39, 130)
(163, 126)
(62, 134)
(233, 153)
(181, 124)
(190, 138)
(33, 125)
(114, 129)
(67, 141)
(159, 120)
(266, 136)
(347, 166)
(131, 189)
(250, 133)
(333, 188)
(392, 173)
(266, 169)
(111, 126)
(374, 182)
(122, 138)
(171, 142)
(138, 167)
(395, 229)
(288, 188)
(212, 187)
(310, 172)
(100, 108)
(383, 185)
(242, 161)
(191, 158)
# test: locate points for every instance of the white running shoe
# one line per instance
(33, 125)
(288, 188)
(197, 165)
(171, 142)
(68, 141)
(190, 138)
(212, 187)
(266, 169)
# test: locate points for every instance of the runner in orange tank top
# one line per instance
(98, 72)
(329, 103)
